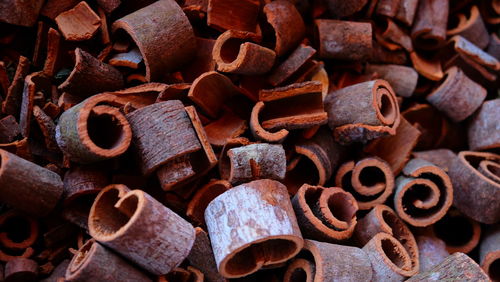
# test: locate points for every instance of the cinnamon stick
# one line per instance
(21, 269)
(402, 79)
(472, 28)
(482, 133)
(429, 28)
(457, 266)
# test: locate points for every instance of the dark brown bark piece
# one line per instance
(109, 5)
(472, 28)
(94, 262)
(203, 61)
(9, 129)
(494, 46)
(87, 68)
(432, 251)
(295, 62)
(345, 8)
(459, 232)
(195, 209)
(476, 195)
(240, 15)
(17, 12)
(79, 23)
(47, 127)
(21, 269)
(140, 228)
(166, 42)
(262, 206)
(52, 8)
(343, 40)
(430, 69)
(407, 11)
(19, 231)
(27, 186)
(80, 131)
(57, 274)
(403, 79)
(381, 55)
(483, 133)
(456, 267)
(202, 257)
(443, 158)
(13, 98)
(429, 28)
(393, 33)
(489, 252)
(34, 83)
(388, 8)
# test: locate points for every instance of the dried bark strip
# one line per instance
(430, 69)
(489, 252)
(53, 59)
(47, 127)
(130, 59)
(94, 262)
(251, 226)
(432, 251)
(140, 228)
(9, 129)
(240, 15)
(388, 8)
(472, 28)
(13, 98)
(295, 62)
(27, 186)
(52, 8)
(394, 33)
(79, 23)
(429, 28)
(483, 133)
(457, 266)
(435, 130)
(403, 79)
(34, 83)
(227, 127)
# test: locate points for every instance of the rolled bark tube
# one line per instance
(443, 158)
(431, 123)
(369, 180)
(429, 28)
(21, 269)
(287, 24)
(28, 187)
(234, 52)
(403, 79)
(489, 253)
(87, 68)
(202, 257)
(259, 132)
(141, 229)
(483, 133)
(472, 28)
(432, 251)
(456, 267)
(383, 219)
(321, 261)
(343, 40)
(251, 226)
(254, 161)
(19, 231)
(23, 13)
(195, 209)
(362, 112)
(172, 44)
(460, 233)
(94, 130)
(326, 214)
(458, 96)
(390, 261)
(424, 193)
(407, 10)
(342, 9)
(475, 194)
(93, 262)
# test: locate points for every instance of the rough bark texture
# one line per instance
(403, 79)
(21, 269)
(388, 8)
(429, 28)
(471, 28)
(196, 207)
(140, 228)
(93, 262)
(456, 267)
(163, 34)
(407, 10)
(484, 131)
(342, 9)
(259, 132)
(33, 83)
(27, 186)
(251, 226)
(9, 129)
(20, 12)
(432, 251)
(443, 158)
(295, 62)
(202, 257)
(489, 252)
(233, 14)
(79, 23)
(13, 98)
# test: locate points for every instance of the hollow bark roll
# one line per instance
(254, 161)
(326, 214)
(432, 251)
(390, 261)
(362, 111)
(195, 209)
(343, 40)
(369, 180)
(476, 194)
(456, 267)
(483, 133)
(19, 231)
(141, 229)
(383, 219)
(163, 34)
(321, 261)
(459, 232)
(235, 52)
(93, 262)
(403, 79)
(458, 96)
(251, 226)
(94, 130)
(429, 28)
(28, 187)
(489, 253)
(103, 77)
(472, 28)
(423, 193)
(21, 269)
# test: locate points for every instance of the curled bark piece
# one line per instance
(96, 263)
(202, 257)
(9, 129)
(87, 68)
(370, 180)
(23, 13)
(342, 9)
(489, 253)
(235, 53)
(27, 186)
(233, 14)
(254, 161)
(458, 96)
(251, 226)
(443, 158)
(259, 132)
(21, 269)
(407, 10)
(33, 83)
(430, 69)
(429, 28)
(13, 98)
(475, 194)
(109, 5)
(423, 193)
(319, 261)
(295, 63)
(140, 228)
(362, 112)
(388, 8)
(196, 208)
(460, 233)
(383, 219)
(385, 56)
(494, 46)
(227, 127)
(433, 126)
(203, 61)
(393, 33)
(390, 261)
(79, 23)
(326, 214)
(47, 127)
(53, 59)
(472, 28)
(170, 46)
(403, 79)
(456, 267)
(130, 59)
(183, 275)
(432, 251)
(94, 130)
(287, 24)
(19, 231)
(483, 133)
(343, 40)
